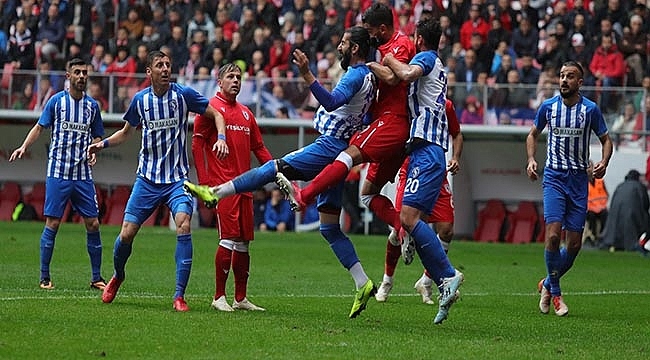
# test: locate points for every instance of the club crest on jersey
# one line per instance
(245, 115)
(581, 119)
(415, 172)
(173, 105)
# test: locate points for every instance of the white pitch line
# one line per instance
(75, 295)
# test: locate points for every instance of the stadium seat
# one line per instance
(490, 222)
(523, 223)
(36, 198)
(116, 204)
(10, 195)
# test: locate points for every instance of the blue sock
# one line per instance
(340, 244)
(255, 178)
(183, 258)
(121, 254)
(94, 244)
(553, 266)
(47, 248)
(431, 253)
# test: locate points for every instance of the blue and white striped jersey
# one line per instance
(163, 153)
(74, 124)
(426, 100)
(357, 85)
(569, 131)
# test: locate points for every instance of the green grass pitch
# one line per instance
(308, 296)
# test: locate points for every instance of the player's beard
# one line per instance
(567, 93)
(345, 58)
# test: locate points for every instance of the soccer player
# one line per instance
(340, 115)
(75, 121)
(427, 163)
(570, 118)
(235, 218)
(162, 110)
(382, 142)
(442, 216)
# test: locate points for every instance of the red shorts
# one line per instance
(383, 145)
(235, 219)
(443, 210)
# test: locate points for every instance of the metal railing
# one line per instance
(279, 102)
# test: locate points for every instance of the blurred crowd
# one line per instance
(490, 47)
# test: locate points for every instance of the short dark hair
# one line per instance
(76, 62)
(378, 14)
(359, 35)
(430, 31)
(154, 54)
(576, 65)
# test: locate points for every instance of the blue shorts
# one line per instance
(565, 198)
(81, 194)
(424, 177)
(311, 159)
(147, 196)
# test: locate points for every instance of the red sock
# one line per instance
(222, 260)
(392, 257)
(384, 209)
(331, 175)
(240, 266)
(426, 272)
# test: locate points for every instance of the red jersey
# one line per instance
(393, 99)
(452, 119)
(242, 136)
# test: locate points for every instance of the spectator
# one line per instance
(267, 15)
(248, 25)
(580, 26)
(505, 64)
(475, 24)
(623, 127)
(628, 215)
(214, 62)
(161, 24)
(467, 70)
(200, 22)
(552, 54)
(579, 51)
(643, 120)
(97, 38)
(177, 48)
(141, 66)
(51, 33)
(526, 12)
(193, 64)
(133, 24)
(122, 100)
(331, 27)
(277, 214)
(44, 93)
(257, 64)
(472, 112)
(24, 99)
(121, 39)
(607, 28)
(78, 21)
(124, 67)
(497, 34)
(229, 26)
(150, 38)
(311, 31)
(511, 94)
(28, 11)
(633, 46)
(596, 208)
(639, 96)
(546, 91)
(96, 92)
(615, 13)
(528, 73)
(21, 47)
(608, 67)
(525, 38)
(97, 60)
(279, 55)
